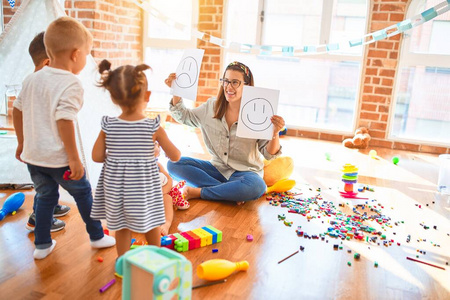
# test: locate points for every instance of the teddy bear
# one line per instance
(359, 141)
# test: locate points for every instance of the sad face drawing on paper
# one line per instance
(187, 72)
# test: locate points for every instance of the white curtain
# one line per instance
(31, 18)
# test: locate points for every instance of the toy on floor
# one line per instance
(281, 186)
(350, 177)
(360, 140)
(192, 239)
(277, 169)
(217, 269)
(151, 272)
(12, 204)
(177, 197)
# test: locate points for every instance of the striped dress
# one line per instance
(129, 193)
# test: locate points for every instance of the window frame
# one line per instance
(171, 43)
(2, 21)
(407, 59)
(325, 33)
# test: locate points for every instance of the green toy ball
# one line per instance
(395, 160)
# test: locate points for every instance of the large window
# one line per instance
(422, 98)
(316, 91)
(167, 32)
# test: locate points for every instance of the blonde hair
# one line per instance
(126, 84)
(66, 34)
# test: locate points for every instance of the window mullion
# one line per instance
(325, 25)
(260, 22)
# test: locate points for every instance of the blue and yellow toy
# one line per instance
(150, 272)
(12, 204)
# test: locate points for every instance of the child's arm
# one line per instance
(99, 150)
(169, 148)
(168, 186)
(18, 127)
(67, 134)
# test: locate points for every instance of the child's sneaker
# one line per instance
(57, 225)
(105, 242)
(61, 210)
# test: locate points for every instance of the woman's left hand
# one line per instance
(278, 123)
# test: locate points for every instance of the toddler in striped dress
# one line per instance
(129, 193)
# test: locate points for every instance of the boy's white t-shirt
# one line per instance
(47, 96)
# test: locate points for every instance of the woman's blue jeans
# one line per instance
(46, 183)
(242, 186)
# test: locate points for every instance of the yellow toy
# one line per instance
(278, 169)
(281, 186)
(217, 269)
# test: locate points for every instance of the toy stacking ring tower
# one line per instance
(350, 177)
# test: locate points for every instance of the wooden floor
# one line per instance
(319, 272)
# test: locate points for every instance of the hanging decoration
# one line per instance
(292, 51)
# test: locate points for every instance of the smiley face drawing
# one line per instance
(187, 72)
(256, 114)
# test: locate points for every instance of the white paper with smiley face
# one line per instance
(258, 105)
(188, 71)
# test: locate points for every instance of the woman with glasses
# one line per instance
(235, 172)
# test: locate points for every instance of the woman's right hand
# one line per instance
(172, 77)
(168, 82)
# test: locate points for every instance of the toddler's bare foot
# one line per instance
(191, 192)
(165, 229)
(240, 203)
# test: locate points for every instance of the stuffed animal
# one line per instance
(359, 141)
(277, 169)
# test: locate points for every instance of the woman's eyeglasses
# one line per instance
(234, 83)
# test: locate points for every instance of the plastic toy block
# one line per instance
(201, 236)
(288, 223)
(376, 264)
(209, 236)
(249, 237)
(281, 217)
(213, 233)
(181, 244)
(219, 233)
(356, 256)
(191, 241)
(204, 235)
(215, 250)
(196, 239)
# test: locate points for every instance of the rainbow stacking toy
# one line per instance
(350, 177)
(192, 239)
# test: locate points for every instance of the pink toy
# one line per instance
(66, 175)
(177, 197)
(12, 204)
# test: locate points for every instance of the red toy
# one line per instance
(66, 175)
(177, 197)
